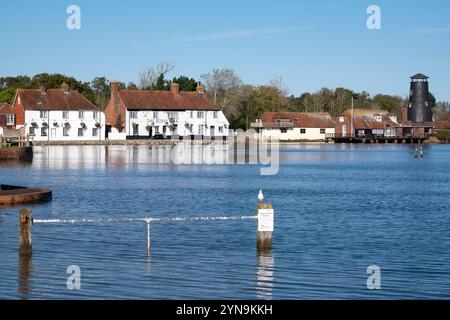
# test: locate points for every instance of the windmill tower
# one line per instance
(419, 109)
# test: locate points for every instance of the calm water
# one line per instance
(338, 209)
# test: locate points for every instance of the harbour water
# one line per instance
(338, 210)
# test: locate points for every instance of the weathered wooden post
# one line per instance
(265, 224)
(25, 250)
(25, 231)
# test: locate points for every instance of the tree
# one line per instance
(149, 76)
(161, 84)
(219, 83)
(185, 83)
(7, 95)
(102, 90)
(389, 103)
(131, 86)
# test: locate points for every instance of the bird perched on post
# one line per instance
(260, 196)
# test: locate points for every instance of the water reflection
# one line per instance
(25, 272)
(264, 275)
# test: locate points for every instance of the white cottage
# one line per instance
(155, 114)
(295, 126)
(58, 115)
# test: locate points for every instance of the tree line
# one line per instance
(241, 103)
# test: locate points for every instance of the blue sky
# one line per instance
(310, 44)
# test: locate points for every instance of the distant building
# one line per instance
(295, 126)
(58, 115)
(365, 123)
(7, 116)
(155, 114)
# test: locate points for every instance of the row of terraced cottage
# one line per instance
(66, 115)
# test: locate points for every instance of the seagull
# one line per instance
(260, 196)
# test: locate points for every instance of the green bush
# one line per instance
(443, 135)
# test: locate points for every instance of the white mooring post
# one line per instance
(148, 238)
(265, 224)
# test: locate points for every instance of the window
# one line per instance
(135, 130)
(31, 131)
(155, 114)
(43, 114)
(80, 132)
(133, 115)
(65, 132)
(322, 131)
(192, 114)
(200, 129)
(43, 131)
(200, 115)
(65, 114)
(283, 130)
(302, 131)
(341, 119)
(94, 132)
(216, 114)
(220, 129)
(80, 114)
(95, 115)
(9, 119)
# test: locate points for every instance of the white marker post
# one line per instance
(265, 226)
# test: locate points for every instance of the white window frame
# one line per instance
(65, 131)
(10, 122)
(95, 115)
(95, 132)
(43, 114)
(81, 114)
(80, 130)
(216, 114)
(31, 131)
(44, 132)
(200, 114)
(65, 114)
(133, 114)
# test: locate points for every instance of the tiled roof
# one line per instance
(54, 99)
(300, 119)
(365, 112)
(165, 100)
(6, 108)
(444, 124)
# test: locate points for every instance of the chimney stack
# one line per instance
(65, 87)
(114, 88)
(200, 88)
(42, 88)
(175, 87)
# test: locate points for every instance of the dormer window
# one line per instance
(341, 119)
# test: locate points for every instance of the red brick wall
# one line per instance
(19, 111)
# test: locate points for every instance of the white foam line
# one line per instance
(147, 220)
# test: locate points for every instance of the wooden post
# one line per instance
(265, 227)
(25, 231)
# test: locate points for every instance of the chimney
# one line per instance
(42, 88)
(200, 88)
(175, 87)
(114, 88)
(65, 87)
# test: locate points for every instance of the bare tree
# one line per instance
(219, 83)
(149, 75)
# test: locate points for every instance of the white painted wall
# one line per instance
(196, 125)
(55, 133)
(312, 134)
